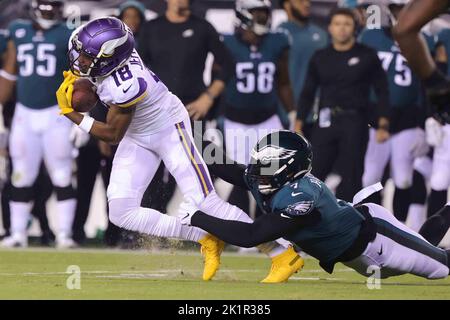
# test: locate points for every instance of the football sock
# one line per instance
(20, 214)
(435, 228)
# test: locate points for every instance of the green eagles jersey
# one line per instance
(305, 41)
(253, 88)
(335, 226)
(444, 39)
(404, 86)
(41, 60)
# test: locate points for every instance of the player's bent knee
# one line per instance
(439, 182)
(61, 177)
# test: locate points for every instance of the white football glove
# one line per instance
(420, 146)
(78, 137)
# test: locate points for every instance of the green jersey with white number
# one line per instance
(404, 85)
(252, 90)
(41, 60)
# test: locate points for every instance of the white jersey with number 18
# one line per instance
(134, 84)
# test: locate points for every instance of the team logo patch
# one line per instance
(271, 152)
(353, 61)
(187, 33)
(20, 33)
(299, 208)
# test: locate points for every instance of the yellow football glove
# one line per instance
(64, 93)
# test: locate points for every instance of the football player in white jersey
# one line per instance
(150, 124)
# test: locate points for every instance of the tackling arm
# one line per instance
(265, 228)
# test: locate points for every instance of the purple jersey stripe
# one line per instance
(202, 175)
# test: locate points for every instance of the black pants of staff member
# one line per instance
(341, 145)
(89, 163)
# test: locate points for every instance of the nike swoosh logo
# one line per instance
(296, 193)
(285, 216)
(381, 251)
(125, 91)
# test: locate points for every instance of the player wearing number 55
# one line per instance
(35, 58)
(150, 124)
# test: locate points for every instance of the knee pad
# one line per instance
(21, 194)
(64, 193)
(61, 176)
(402, 178)
(21, 179)
(439, 181)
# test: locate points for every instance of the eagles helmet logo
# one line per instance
(271, 152)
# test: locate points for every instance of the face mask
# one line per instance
(298, 16)
(45, 23)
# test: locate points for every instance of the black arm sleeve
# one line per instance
(309, 90)
(265, 228)
(380, 85)
(223, 67)
(224, 167)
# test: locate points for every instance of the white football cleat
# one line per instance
(65, 242)
(17, 240)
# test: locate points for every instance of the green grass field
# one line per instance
(41, 274)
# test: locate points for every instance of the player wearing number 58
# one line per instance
(35, 58)
(260, 83)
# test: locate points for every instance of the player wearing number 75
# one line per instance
(35, 59)
(150, 124)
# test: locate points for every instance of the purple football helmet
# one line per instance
(108, 42)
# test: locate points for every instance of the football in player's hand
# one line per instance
(84, 97)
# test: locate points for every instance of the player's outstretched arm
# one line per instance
(265, 228)
(412, 18)
(223, 166)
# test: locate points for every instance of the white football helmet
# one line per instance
(245, 19)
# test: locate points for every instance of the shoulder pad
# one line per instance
(125, 88)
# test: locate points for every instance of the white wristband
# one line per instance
(86, 124)
(7, 75)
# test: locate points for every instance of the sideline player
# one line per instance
(407, 114)
(150, 124)
(36, 56)
(261, 80)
